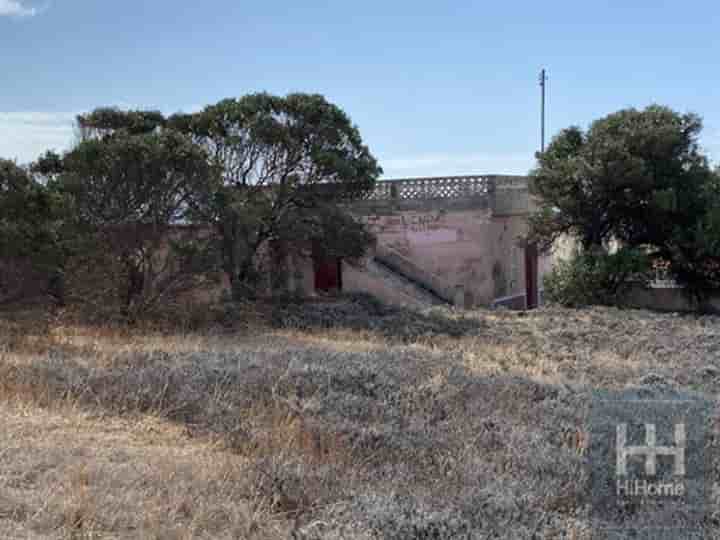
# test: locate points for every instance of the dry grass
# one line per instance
(341, 421)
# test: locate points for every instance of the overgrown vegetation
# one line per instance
(638, 179)
(283, 164)
(367, 433)
(360, 312)
(33, 227)
(145, 208)
(343, 419)
(129, 192)
(597, 278)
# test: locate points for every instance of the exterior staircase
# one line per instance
(416, 292)
(395, 279)
(412, 272)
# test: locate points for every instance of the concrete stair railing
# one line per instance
(408, 269)
(401, 289)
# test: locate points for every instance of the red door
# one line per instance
(327, 275)
(531, 276)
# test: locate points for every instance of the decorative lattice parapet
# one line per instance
(441, 187)
(507, 193)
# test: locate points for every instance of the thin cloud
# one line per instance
(16, 8)
(457, 164)
(27, 135)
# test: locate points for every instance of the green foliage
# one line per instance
(630, 177)
(694, 251)
(31, 240)
(596, 277)
(144, 179)
(637, 178)
(283, 164)
(106, 121)
(143, 204)
(15, 190)
(130, 193)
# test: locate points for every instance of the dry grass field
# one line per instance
(347, 420)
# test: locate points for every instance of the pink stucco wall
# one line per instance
(460, 240)
(468, 248)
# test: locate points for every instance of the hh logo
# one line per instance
(650, 450)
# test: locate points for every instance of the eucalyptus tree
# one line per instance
(283, 165)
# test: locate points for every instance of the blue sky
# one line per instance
(435, 87)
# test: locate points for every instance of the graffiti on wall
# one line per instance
(403, 222)
(422, 222)
(415, 228)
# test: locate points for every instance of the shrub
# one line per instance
(361, 312)
(596, 278)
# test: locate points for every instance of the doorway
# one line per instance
(531, 276)
(328, 275)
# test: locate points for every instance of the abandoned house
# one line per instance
(446, 240)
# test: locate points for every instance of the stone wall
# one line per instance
(665, 299)
(456, 240)
(463, 233)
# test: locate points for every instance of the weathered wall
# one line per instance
(563, 249)
(665, 299)
(468, 248)
(465, 232)
(457, 239)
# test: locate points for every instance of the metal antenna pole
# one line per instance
(543, 80)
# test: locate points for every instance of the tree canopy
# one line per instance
(253, 179)
(283, 164)
(637, 178)
(32, 233)
(127, 187)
